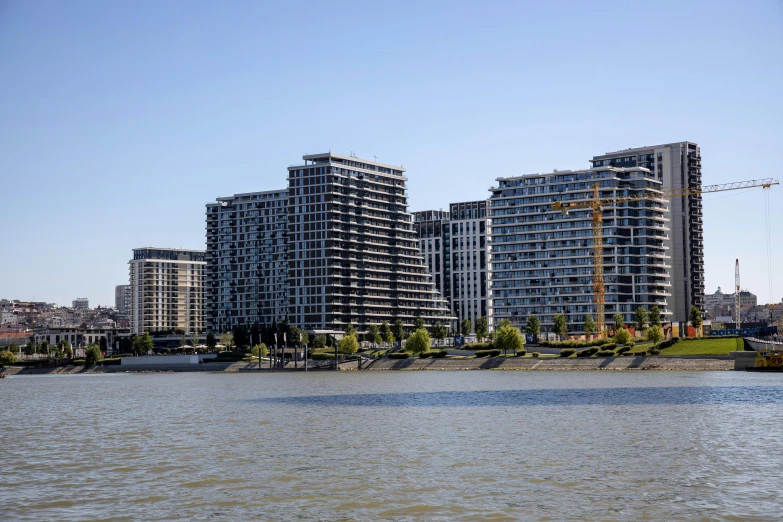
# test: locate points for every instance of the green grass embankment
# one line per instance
(707, 346)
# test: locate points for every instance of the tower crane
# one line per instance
(597, 202)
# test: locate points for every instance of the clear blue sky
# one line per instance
(120, 120)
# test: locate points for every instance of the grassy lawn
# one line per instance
(705, 347)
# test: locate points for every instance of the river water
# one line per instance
(470, 445)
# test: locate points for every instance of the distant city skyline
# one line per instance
(123, 120)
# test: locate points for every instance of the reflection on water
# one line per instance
(393, 445)
(571, 396)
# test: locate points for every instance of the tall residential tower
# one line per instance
(675, 165)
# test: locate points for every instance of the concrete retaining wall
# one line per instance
(520, 363)
(160, 360)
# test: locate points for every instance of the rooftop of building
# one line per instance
(164, 249)
(578, 171)
(634, 150)
(250, 195)
(325, 157)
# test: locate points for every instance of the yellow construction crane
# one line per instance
(596, 203)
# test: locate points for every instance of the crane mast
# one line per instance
(596, 204)
(737, 299)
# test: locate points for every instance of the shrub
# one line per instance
(521, 353)
(114, 361)
(477, 346)
(440, 354)
(93, 355)
(535, 354)
(433, 354)
(487, 353)
(609, 346)
(605, 353)
(655, 351)
(398, 355)
(418, 342)
(348, 344)
(623, 349)
(630, 344)
(7, 358)
(78, 362)
(321, 356)
(230, 356)
(567, 352)
(623, 336)
(545, 344)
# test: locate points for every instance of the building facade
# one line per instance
(167, 290)
(455, 246)
(676, 165)
(81, 303)
(542, 260)
(122, 298)
(247, 262)
(353, 256)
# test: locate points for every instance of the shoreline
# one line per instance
(639, 363)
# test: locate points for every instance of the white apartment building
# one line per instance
(542, 259)
(167, 290)
(675, 165)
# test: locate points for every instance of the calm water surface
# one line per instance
(397, 445)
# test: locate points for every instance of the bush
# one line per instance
(477, 346)
(567, 352)
(623, 336)
(322, 356)
(630, 344)
(521, 353)
(623, 349)
(535, 354)
(78, 362)
(418, 342)
(654, 351)
(7, 358)
(487, 353)
(230, 356)
(114, 361)
(609, 346)
(398, 355)
(93, 355)
(641, 353)
(605, 353)
(433, 354)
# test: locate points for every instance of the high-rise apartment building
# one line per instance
(455, 246)
(676, 165)
(122, 298)
(81, 303)
(353, 256)
(542, 259)
(167, 290)
(247, 263)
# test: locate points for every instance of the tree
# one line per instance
(482, 325)
(654, 334)
(350, 330)
(194, 340)
(319, 342)
(386, 333)
(260, 350)
(93, 355)
(43, 347)
(640, 318)
(7, 358)
(560, 325)
(623, 336)
(373, 334)
(304, 338)
(227, 339)
(255, 334)
(211, 341)
(654, 316)
(439, 332)
(64, 349)
(465, 327)
(348, 344)
(695, 317)
(102, 344)
(142, 344)
(589, 326)
(29, 348)
(533, 325)
(618, 322)
(419, 323)
(398, 330)
(509, 338)
(418, 342)
(241, 336)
